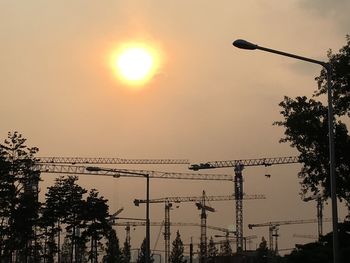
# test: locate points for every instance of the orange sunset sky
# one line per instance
(205, 100)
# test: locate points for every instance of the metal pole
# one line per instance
(191, 251)
(328, 67)
(148, 250)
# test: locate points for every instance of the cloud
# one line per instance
(336, 10)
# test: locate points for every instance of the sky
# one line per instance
(207, 101)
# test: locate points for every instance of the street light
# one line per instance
(118, 173)
(243, 44)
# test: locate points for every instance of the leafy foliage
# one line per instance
(306, 128)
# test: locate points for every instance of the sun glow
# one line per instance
(135, 64)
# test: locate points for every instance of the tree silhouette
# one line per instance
(177, 252)
(212, 251)
(225, 248)
(142, 255)
(113, 253)
(19, 203)
(31, 231)
(262, 251)
(95, 216)
(126, 253)
(306, 128)
(64, 205)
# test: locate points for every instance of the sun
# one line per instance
(135, 64)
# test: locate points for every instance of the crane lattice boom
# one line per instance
(245, 162)
(287, 222)
(140, 223)
(75, 169)
(198, 198)
(99, 160)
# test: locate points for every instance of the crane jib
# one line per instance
(246, 162)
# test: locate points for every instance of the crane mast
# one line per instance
(319, 206)
(238, 166)
(201, 204)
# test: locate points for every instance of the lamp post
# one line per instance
(120, 172)
(243, 44)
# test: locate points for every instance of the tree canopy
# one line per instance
(19, 205)
(31, 231)
(306, 128)
(177, 253)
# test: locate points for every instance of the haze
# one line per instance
(209, 101)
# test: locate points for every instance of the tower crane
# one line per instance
(273, 229)
(200, 202)
(99, 160)
(81, 170)
(319, 206)
(238, 166)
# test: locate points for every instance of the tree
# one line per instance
(212, 250)
(73, 217)
(95, 216)
(64, 205)
(262, 251)
(225, 248)
(113, 253)
(126, 253)
(177, 253)
(306, 128)
(19, 203)
(142, 255)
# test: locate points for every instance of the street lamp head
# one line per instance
(93, 169)
(240, 43)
